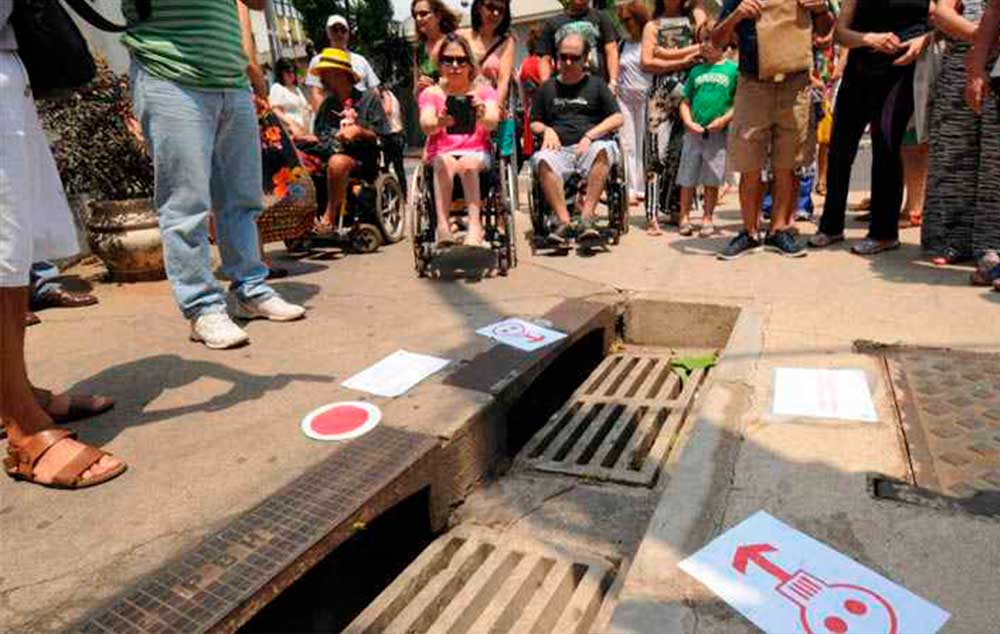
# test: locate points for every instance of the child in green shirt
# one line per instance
(706, 111)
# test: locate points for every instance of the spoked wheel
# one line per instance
(419, 223)
(366, 238)
(390, 207)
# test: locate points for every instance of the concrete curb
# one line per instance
(655, 594)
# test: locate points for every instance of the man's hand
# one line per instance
(550, 140)
(694, 127)
(882, 42)
(749, 9)
(814, 6)
(582, 146)
(977, 89)
(349, 134)
(717, 125)
(912, 50)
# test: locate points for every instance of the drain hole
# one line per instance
(612, 364)
(646, 442)
(623, 440)
(560, 599)
(598, 440)
(486, 594)
(568, 416)
(577, 432)
(523, 596)
(650, 364)
(454, 585)
(617, 383)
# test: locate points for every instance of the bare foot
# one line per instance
(64, 408)
(62, 453)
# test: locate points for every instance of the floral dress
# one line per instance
(665, 126)
(289, 194)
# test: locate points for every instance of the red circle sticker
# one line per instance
(341, 421)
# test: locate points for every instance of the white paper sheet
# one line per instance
(395, 374)
(823, 393)
(785, 581)
(521, 334)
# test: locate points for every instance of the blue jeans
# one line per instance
(205, 146)
(43, 279)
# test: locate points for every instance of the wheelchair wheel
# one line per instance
(420, 223)
(389, 207)
(365, 238)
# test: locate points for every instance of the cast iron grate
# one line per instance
(475, 580)
(949, 406)
(620, 424)
(199, 589)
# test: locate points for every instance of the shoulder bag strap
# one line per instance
(98, 21)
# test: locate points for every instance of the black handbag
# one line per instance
(52, 48)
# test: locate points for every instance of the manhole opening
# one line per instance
(552, 388)
(477, 581)
(338, 587)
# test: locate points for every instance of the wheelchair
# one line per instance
(374, 210)
(498, 206)
(615, 199)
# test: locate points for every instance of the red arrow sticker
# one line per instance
(341, 421)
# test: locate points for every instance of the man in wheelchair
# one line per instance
(575, 113)
(347, 128)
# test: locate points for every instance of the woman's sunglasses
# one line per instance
(420, 15)
(456, 61)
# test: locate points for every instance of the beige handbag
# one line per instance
(784, 40)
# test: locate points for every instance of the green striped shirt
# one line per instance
(195, 43)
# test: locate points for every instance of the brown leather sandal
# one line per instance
(20, 462)
(80, 406)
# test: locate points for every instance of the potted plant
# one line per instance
(103, 160)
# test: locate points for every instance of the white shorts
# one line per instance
(565, 161)
(35, 220)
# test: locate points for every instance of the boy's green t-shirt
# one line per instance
(710, 90)
(195, 43)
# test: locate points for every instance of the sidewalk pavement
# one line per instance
(210, 434)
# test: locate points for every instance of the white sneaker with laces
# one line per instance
(273, 308)
(217, 331)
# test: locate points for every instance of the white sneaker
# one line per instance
(273, 308)
(217, 331)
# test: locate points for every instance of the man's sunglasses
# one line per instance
(420, 15)
(456, 61)
(570, 58)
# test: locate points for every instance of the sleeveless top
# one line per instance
(665, 98)
(906, 18)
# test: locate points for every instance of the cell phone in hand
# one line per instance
(463, 113)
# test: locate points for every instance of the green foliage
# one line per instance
(376, 33)
(96, 152)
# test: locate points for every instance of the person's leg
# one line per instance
(822, 154)
(793, 148)
(445, 168)
(627, 133)
(708, 205)
(887, 164)
(751, 196)
(237, 191)
(986, 216)
(597, 168)
(687, 198)
(850, 117)
(915, 163)
(180, 127)
(338, 170)
(468, 168)
(688, 171)
(785, 189)
(553, 186)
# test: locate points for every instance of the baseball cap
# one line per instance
(336, 19)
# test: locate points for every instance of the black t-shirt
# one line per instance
(595, 26)
(573, 109)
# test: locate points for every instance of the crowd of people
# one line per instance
(690, 97)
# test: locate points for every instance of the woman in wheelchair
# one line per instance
(457, 116)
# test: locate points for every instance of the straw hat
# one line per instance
(335, 59)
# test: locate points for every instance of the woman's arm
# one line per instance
(947, 18)
(977, 87)
(849, 38)
(506, 70)
(650, 63)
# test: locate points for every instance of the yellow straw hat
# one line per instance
(335, 59)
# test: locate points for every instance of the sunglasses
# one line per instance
(570, 58)
(453, 61)
(420, 15)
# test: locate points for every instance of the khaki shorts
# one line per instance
(775, 117)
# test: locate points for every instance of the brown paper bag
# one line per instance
(784, 39)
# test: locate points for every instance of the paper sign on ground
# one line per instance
(785, 581)
(395, 374)
(823, 393)
(521, 334)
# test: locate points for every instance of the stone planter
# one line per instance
(125, 235)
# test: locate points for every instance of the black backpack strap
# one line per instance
(98, 21)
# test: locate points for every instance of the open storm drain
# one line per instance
(478, 581)
(620, 424)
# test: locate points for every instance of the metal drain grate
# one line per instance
(478, 581)
(620, 424)
(235, 570)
